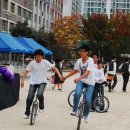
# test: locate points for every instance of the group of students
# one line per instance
(90, 70)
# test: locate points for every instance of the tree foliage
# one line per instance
(95, 26)
(22, 29)
(43, 37)
(68, 30)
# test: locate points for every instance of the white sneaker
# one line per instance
(26, 116)
(41, 110)
(86, 119)
(73, 113)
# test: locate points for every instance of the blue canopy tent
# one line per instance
(29, 42)
(8, 44)
(3, 46)
(12, 44)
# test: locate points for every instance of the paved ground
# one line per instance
(57, 111)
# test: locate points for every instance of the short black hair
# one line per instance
(113, 57)
(38, 52)
(85, 47)
(126, 59)
(99, 62)
(95, 54)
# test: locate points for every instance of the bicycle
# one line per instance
(80, 106)
(101, 103)
(34, 111)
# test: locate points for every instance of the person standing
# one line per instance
(111, 71)
(57, 81)
(125, 69)
(95, 57)
(85, 66)
(38, 69)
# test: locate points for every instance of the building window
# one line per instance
(41, 5)
(44, 7)
(39, 20)
(5, 4)
(12, 8)
(19, 11)
(36, 3)
(29, 15)
(4, 25)
(24, 13)
(11, 26)
(35, 18)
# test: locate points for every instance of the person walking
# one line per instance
(125, 69)
(111, 71)
(85, 66)
(38, 69)
(57, 81)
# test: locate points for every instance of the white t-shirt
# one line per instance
(38, 71)
(82, 67)
(99, 75)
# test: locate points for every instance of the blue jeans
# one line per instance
(78, 92)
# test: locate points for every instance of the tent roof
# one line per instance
(8, 42)
(29, 42)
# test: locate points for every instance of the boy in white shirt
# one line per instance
(85, 66)
(38, 80)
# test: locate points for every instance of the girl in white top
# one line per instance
(99, 77)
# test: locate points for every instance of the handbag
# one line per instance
(52, 79)
(110, 77)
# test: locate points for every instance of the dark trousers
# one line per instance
(110, 85)
(114, 82)
(125, 81)
(31, 93)
(98, 88)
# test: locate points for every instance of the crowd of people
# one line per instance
(92, 72)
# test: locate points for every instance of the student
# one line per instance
(111, 71)
(38, 69)
(125, 68)
(99, 77)
(57, 81)
(95, 57)
(85, 66)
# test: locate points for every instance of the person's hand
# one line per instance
(22, 83)
(62, 78)
(76, 80)
(100, 80)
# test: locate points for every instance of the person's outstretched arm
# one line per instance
(23, 77)
(73, 72)
(57, 71)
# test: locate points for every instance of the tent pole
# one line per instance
(9, 58)
(23, 60)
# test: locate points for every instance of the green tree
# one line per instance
(68, 30)
(22, 29)
(95, 28)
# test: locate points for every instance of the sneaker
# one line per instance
(26, 116)
(86, 119)
(59, 89)
(41, 110)
(73, 113)
(124, 91)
